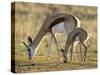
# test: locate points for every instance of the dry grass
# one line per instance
(42, 64)
(29, 17)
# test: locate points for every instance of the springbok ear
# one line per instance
(25, 44)
(29, 39)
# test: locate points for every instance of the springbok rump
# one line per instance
(80, 35)
(55, 23)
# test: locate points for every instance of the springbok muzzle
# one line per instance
(64, 55)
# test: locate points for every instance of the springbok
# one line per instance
(80, 35)
(55, 23)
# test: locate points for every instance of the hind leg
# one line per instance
(80, 52)
(71, 53)
(85, 51)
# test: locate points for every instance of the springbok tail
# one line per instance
(89, 40)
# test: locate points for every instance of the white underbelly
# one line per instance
(58, 28)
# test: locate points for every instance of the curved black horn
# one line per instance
(25, 44)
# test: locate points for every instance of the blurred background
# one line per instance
(29, 17)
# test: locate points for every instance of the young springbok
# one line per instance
(80, 35)
(59, 22)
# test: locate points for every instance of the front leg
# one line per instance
(57, 44)
(49, 50)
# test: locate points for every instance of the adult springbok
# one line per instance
(80, 35)
(55, 23)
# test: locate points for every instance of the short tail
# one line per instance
(89, 39)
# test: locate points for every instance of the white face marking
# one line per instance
(31, 50)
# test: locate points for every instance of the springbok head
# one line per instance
(64, 55)
(30, 48)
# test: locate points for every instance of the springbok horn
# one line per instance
(25, 44)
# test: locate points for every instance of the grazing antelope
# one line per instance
(55, 23)
(80, 35)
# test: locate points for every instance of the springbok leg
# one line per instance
(58, 47)
(49, 50)
(80, 51)
(85, 52)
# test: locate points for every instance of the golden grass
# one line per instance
(42, 64)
